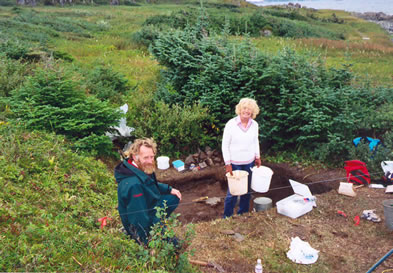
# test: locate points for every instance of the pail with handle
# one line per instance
(261, 178)
(238, 182)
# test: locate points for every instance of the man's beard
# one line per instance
(147, 168)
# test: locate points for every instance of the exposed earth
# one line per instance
(210, 183)
(343, 246)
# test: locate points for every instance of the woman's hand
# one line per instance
(228, 169)
(258, 162)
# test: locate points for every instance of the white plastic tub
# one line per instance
(163, 162)
(295, 205)
(238, 183)
(261, 178)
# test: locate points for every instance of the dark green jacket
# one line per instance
(138, 194)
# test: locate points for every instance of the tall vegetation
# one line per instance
(293, 23)
(305, 105)
(50, 206)
(50, 101)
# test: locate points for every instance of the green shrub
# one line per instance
(14, 49)
(12, 75)
(145, 36)
(5, 3)
(59, 55)
(107, 84)
(50, 101)
(177, 130)
(376, 110)
(283, 22)
(167, 251)
(304, 105)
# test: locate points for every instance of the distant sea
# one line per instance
(385, 6)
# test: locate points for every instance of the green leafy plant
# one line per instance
(176, 129)
(50, 101)
(305, 106)
(167, 251)
(107, 84)
(14, 49)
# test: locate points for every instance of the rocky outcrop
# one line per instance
(380, 18)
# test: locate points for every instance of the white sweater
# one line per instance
(240, 146)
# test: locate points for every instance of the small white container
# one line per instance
(238, 182)
(163, 162)
(295, 205)
(261, 177)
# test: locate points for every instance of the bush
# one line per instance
(177, 130)
(167, 251)
(145, 36)
(283, 22)
(106, 84)
(14, 49)
(12, 75)
(49, 101)
(304, 105)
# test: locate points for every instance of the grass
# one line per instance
(370, 59)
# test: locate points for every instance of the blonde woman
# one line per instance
(240, 149)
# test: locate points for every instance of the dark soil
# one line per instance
(196, 185)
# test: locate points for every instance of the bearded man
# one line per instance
(139, 192)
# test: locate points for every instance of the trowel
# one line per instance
(346, 189)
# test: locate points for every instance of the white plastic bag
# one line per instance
(122, 130)
(301, 252)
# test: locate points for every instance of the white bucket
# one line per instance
(238, 183)
(261, 178)
(163, 162)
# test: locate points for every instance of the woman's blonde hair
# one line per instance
(138, 143)
(249, 103)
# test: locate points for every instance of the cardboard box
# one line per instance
(297, 204)
(178, 165)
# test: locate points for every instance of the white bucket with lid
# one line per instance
(238, 182)
(163, 162)
(261, 178)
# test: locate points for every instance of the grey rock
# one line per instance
(189, 160)
(238, 237)
(213, 201)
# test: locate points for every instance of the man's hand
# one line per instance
(176, 192)
(228, 169)
(258, 162)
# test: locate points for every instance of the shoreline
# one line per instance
(380, 18)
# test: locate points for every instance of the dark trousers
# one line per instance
(244, 203)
